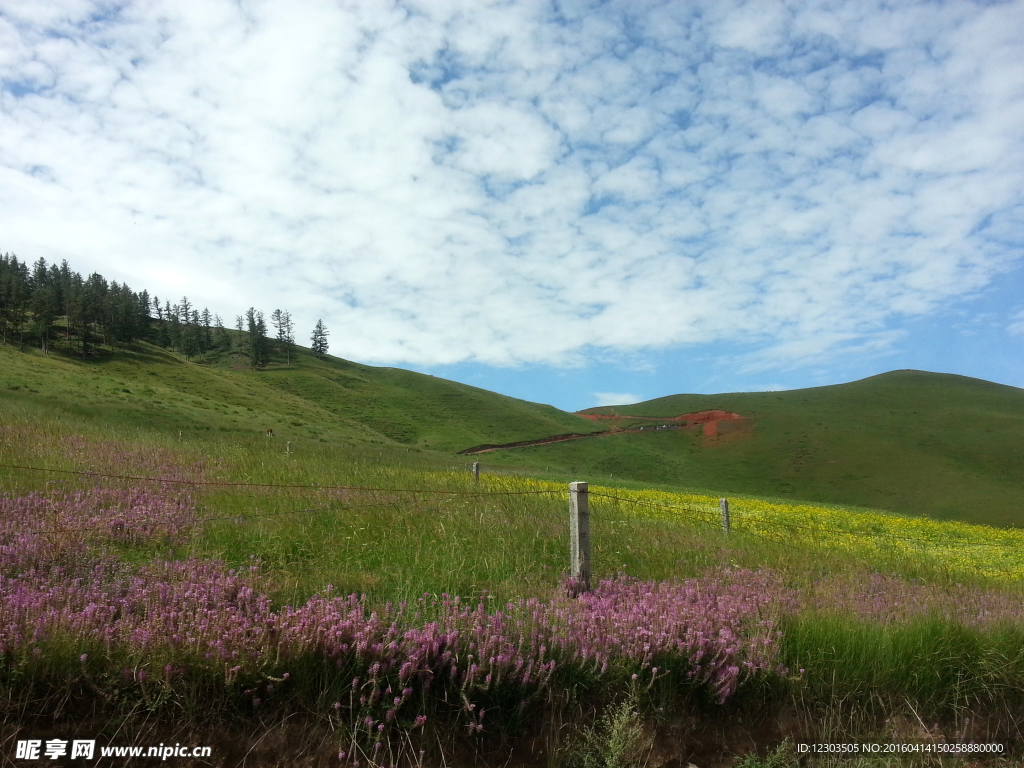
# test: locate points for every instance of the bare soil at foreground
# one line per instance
(565, 734)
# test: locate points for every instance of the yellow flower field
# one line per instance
(955, 546)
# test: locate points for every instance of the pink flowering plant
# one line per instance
(69, 602)
(86, 603)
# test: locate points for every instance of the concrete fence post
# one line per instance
(723, 506)
(476, 471)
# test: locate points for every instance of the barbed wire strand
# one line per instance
(739, 525)
(638, 502)
(313, 487)
(691, 512)
(244, 517)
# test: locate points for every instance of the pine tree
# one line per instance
(319, 339)
(173, 324)
(220, 334)
(207, 330)
(93, 309)
(240, 327)
(33, 298)
(191, 336)
(123, 314)
(259, 348)
(14, 294)
(163, 335)
(68, 285)
(44, 304)
(282, 320)
(188, 343)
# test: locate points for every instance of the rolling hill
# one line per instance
(330, 399)
(946, 446)
(925, 443)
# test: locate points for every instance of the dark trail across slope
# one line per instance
(706, 419)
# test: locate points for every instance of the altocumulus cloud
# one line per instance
(525, 182)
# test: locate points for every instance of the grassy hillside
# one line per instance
(946, 446)
(936, 444)
(201, 611)
(220, 605)
(331, 400)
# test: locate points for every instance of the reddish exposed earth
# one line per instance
(709, 420)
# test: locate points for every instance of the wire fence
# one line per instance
(296, 486)
(704, 515)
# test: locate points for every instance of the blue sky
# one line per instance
(573, 203)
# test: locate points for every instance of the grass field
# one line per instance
(330, 400)
(944, 446)
(941, 445)
(351, 594)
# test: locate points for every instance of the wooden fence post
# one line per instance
(723, 506)
(579, 534)
(476, 471)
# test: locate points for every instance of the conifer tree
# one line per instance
(14, 296)
(282, 320)
(173, 325)
(259, 348)
(240, 327)
(44, 304)
(220, 334)
(190, 339)
(319, 339)
(206, 320)
(163, 338)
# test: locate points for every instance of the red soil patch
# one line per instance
(709, 419)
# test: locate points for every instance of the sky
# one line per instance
(575, 203)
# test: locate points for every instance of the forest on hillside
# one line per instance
(53, 307)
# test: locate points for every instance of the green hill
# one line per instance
(329, 399)
(910, 441)
(914, 442)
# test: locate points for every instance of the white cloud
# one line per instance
(615, 398)
(1016, 326)
(444, 182)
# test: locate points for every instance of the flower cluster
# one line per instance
(951, 545)
(40, 531)
(59, 580)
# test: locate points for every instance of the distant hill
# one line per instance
(326, 399)
(908, 441)
(927, 443)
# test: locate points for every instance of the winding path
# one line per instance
(709, 420)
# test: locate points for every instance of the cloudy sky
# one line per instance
(570, 202)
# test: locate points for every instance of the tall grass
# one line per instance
(442, 598)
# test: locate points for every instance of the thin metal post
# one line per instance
(579, 534)
(723, 506)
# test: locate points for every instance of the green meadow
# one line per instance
(940, 445)
(361, 490)
(946, 446)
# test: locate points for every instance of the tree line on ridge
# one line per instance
(52, 306)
